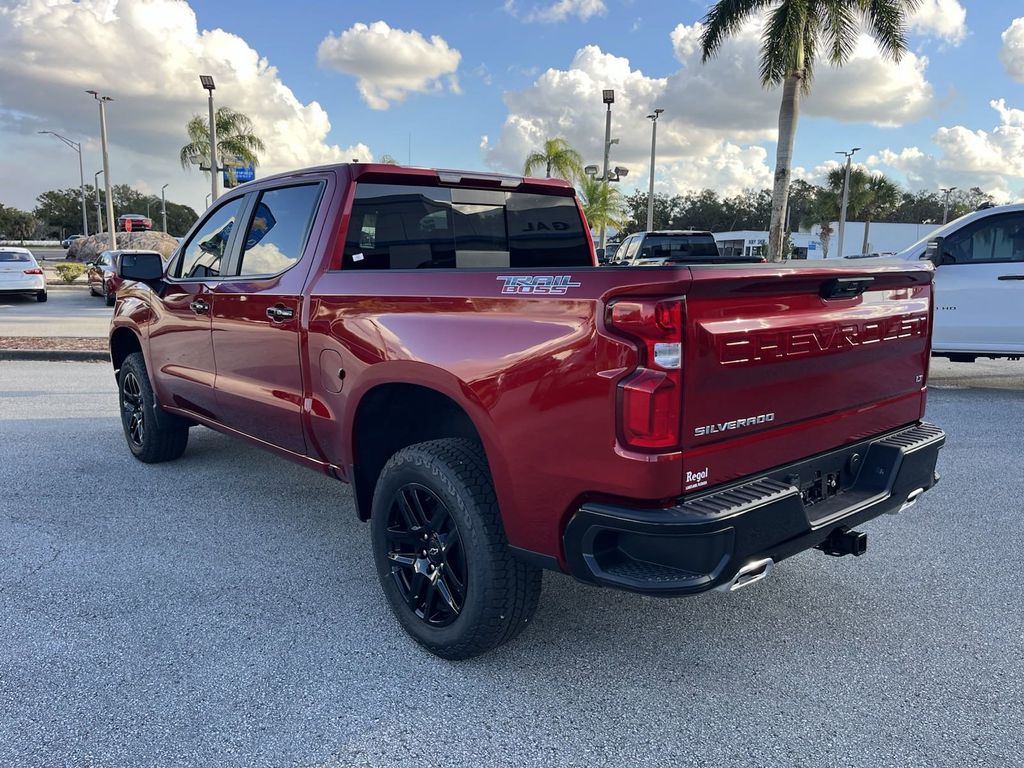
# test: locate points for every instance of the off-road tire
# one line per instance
(501, 591)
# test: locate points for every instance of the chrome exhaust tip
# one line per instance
(750, 573)
(912, 498)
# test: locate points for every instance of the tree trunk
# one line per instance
(789, 113)
(549, 168)
(867, 226)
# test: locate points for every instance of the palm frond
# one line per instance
(783, 41)
(722, 20)
(887, 20)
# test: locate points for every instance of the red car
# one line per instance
(102, 276)
(139, 223)
(445, 342)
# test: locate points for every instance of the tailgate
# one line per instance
(783, 363)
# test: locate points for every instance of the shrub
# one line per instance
(70, 272)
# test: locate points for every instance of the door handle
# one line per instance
(199, 306)
(1010, 277)
(279, 314)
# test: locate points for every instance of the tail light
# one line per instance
(650, 399)
(34, 271)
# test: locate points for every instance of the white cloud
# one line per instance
(727, 90)
(715, 116)
(1012, 52)
(560, 10)
(945, 19)
(992, 160)
(390, 63)
(51, 50)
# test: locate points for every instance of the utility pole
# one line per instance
(163, 205)
(846, 199)
(653, 117)
(947, 191)
(608, 96)
(207, 81)
(96, 189)
(81, 176)
(106, 166)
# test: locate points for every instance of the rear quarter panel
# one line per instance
(537, 374)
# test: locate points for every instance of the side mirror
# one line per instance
(933, 252)
(145, 267)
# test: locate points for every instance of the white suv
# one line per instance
(979, 283)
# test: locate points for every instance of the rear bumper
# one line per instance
(27, 284)
(705, 540)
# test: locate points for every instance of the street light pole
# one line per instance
(653, 117)
(945, 203)
(163, 205)
(846, 200)
(81, 176)
(207, 81)
(608, 96)
(106, 166)
(96, 189)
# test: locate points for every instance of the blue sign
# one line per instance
(812, 246)
(242, 175)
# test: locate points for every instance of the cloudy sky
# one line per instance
(471, 85)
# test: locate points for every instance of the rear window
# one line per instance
(410, 227)
(680, 247)
(14, 256)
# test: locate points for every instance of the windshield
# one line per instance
(14, 256)
(681, 247)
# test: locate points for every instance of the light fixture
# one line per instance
(207, 81)
(608, 96)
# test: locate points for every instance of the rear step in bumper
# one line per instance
(723, 539)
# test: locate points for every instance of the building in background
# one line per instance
(883, 239)
(750, 242)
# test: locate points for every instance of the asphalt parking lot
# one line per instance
(223, 610)
(66, 312)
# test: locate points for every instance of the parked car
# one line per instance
(139, 222)
(67, 241)
(444, 341)
(21, 273)
(608, 255)
(102, 275)
(979, 283)
(674, 246)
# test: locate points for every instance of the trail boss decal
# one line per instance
(538, 285)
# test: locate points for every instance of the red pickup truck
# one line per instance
(445, 342)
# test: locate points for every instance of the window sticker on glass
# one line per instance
(357, 257)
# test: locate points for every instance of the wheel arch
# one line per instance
(123, 342)
(393, 415)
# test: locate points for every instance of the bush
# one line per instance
(70, 272)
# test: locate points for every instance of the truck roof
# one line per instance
(386, 173)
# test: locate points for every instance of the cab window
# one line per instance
(999, 239)
(279, 228)
(202, 255)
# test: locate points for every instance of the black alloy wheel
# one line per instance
(133, 410)
(428, 562)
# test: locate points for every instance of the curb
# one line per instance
(56, 355)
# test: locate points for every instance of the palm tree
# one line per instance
(793, 32)
(870, 196)
(235, 138)
(556, 156)
(603, 204)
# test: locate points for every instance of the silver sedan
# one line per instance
(20, 273)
